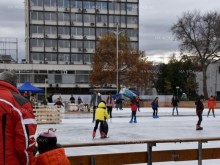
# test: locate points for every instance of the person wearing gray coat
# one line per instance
(95, 100)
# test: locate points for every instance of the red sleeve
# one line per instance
(24, 134)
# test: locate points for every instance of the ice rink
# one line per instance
(77, 128)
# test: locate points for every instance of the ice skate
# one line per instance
(198, 127)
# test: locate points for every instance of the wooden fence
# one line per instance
(147, 157)
(48, 114)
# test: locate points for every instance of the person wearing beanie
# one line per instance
(100, 115)
(50, 153)
(18, 124)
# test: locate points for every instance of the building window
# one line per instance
(50, 16)
(50, 30)
(37, 43)
(101, 5)
(82, 78)
(37, 29)
(36, 3)
(50, 57)
(76, 44)
(89, 31)
(37, 56)
(132, 19)
(101, 19)
(89, 44)
(88, 5)
(87, 58)
(132, 32)
(101, 31)
(89, 18)
(76, 17)
(76, 31)
(63, 3)
(58, 78)
(76, 58)
(50, 3)
(76, 4)
(63, 30)
(51, 43)
(63, 17)
(64, 57)
(37, 15)
(64, 43)
(132, 7)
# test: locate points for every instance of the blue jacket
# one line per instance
(154, 104)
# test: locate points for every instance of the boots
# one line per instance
(198, 127)
(93, 134)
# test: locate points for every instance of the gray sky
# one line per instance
(156, 18)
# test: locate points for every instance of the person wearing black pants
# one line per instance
(110, 103)
(155, 106)
(199, 111)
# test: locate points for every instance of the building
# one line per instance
(65, 33)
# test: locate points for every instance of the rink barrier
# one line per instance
(48, 115)
(146, 157)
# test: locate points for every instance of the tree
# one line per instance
(177, 73)
(133, 67)
(199, 35)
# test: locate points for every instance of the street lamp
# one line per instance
(45, 85)
(117, 33)
(177, 88)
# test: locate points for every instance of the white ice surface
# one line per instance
(77, 128)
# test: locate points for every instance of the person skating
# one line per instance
(155, 106)
(110, 104)
(100, 115)
(199, 111)
(211, 106)
(174, 103)
(133, 110)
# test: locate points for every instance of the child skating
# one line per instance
(100, 115)
(133, 110)
(155, 106)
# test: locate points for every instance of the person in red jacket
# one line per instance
(50, 153)
(17, 123)
(211, 106)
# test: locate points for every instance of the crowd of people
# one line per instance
(18, 124)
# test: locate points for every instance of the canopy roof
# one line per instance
(27, 86)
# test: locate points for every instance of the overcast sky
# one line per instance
(156, 18)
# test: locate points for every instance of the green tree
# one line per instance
(199, 35)
(177, 73)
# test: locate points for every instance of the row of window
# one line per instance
(69, 44)
(86, 18)
(111, 5)
(83, 31)
(61, 57)
(56, 78)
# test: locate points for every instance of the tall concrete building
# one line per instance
(64, 34)
(67, 31)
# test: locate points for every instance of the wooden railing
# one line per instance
(149, 156)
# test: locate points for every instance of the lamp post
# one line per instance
(177, 88)
(117, 33)
(45, 85)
